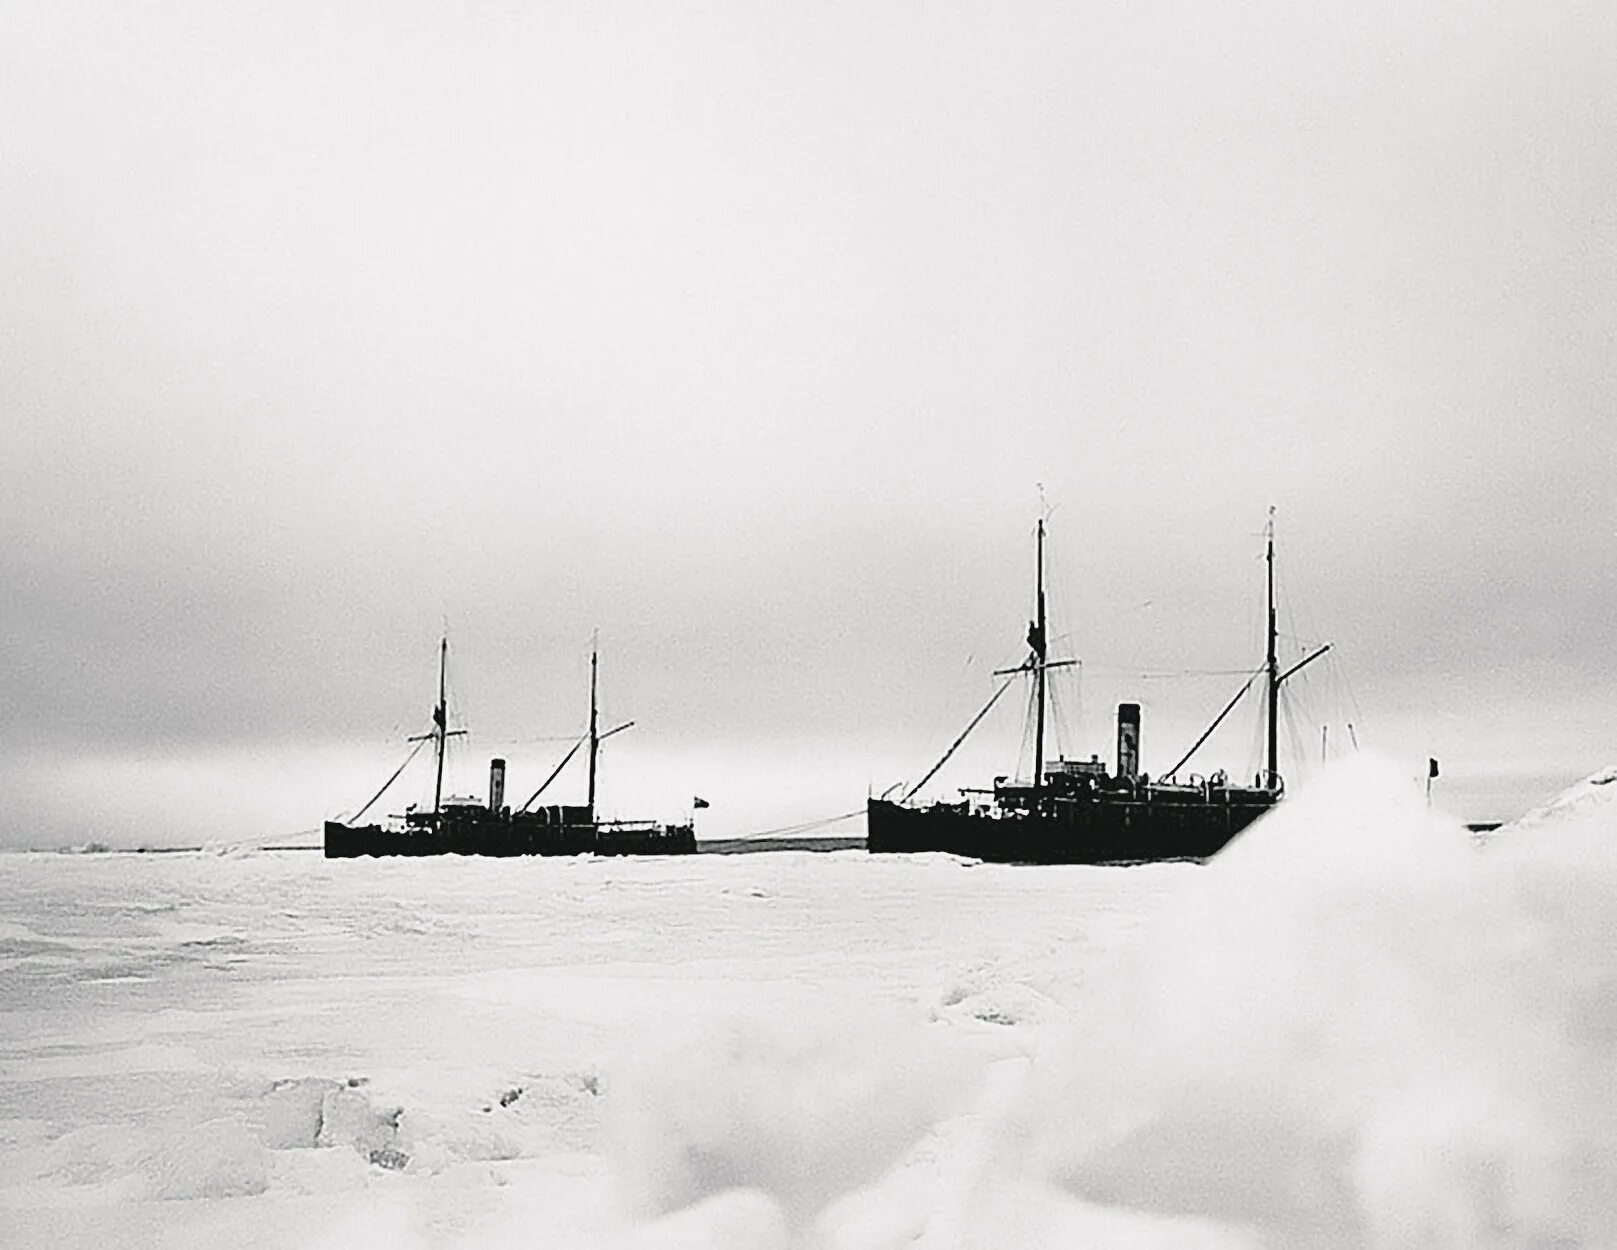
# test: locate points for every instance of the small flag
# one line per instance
(700, 803)
(1431, 768)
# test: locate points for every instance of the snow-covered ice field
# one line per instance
(1353, 1028)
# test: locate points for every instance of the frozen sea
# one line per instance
(1355, 1027)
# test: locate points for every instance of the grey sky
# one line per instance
(746, 333)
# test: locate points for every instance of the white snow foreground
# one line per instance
(1351, 1029)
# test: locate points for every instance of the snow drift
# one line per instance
(1350, 1029)
(1354, 1028)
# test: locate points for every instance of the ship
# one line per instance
(470, 827)
(1075, 811)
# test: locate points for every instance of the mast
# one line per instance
(1035, 638)
(1273, 679)
(1271, 664)
(440, 719)
(595, 737)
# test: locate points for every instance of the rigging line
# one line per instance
(1294, 738)
(555, 772)
(1177, 674)
(420, 742)
(1057, 714)
(804, 827)
(1065, 708)
(1351, 699)
(1259, 756)
(955, 745)
(1302, 663)
(1078, 698)
(1217, 721)
(1029, 729)
(1153, 674)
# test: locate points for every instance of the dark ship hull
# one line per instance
(477, 831)
(1153, 823)
(1075, 811)
(467, 827)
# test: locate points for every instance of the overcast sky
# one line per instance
(748, 333)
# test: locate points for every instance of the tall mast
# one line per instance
(595, 737)
(1035, 637)
(440, 720)
(1271, 663)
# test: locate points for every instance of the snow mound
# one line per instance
(1030, 1216)
(802, 1111)
(1353, 1029)
(229, 850)
(539, 1115)
(554, 1112)
(218, 1159)
(433, 1142)
(313, 1112)
(740, 1219)
(215, 1159)
(1591, 805)
(1005, 1004)
(288, 1115)
(348, 1118)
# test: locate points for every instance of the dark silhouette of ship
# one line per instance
(462, 827)
(1074, 811)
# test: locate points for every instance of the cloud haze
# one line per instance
(747, 336)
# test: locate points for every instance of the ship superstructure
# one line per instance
(1075, 811)
(468, 827)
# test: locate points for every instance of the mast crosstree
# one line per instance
(440, 732)
(1036, 664)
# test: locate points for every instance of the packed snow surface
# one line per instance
(1353, 1028)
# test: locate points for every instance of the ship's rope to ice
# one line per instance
(807, 826)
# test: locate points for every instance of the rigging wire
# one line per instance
(1167, 674)
(1330, 699)
(1057, 716)
(456, 756)
(1294, 741)
(1030, 717)
(554, 773)
(1078, 698)
(1256, 751)
(1217, 721)
(937, 726)
(413, 750)
(804, 827)
(932, 772)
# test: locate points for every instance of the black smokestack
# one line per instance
(1128, 740)
(496, 785)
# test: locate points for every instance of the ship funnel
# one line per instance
(496, 785)
(1128, 740)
